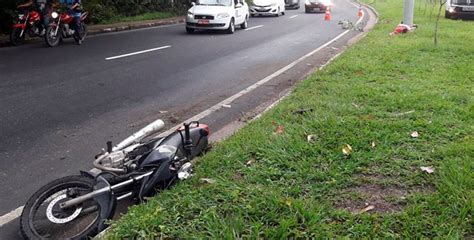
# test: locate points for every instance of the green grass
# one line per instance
(380, 90)
(142, 17)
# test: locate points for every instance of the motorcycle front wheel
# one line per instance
(43, 218)
(52, 37)
(17, 37)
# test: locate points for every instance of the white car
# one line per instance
(268, 7)
(217, 14)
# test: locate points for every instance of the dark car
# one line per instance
(316, 5)
(295, 4)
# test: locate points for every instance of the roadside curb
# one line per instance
(109, 28)
(132, 26)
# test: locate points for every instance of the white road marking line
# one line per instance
(293, 16)
(10, 216)
(259, 26)
(17, 212)
(136, 53)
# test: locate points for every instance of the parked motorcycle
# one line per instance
(79, 206)
(27, 22)
(60, 27)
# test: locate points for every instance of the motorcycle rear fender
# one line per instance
(19, 25)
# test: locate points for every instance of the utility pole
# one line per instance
(408, 8)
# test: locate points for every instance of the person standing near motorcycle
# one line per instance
(74, 8)
(43, 7)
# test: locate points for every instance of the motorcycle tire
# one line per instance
(49, 37)
(43, 218)
(15, 37)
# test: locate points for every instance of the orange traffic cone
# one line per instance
(360, 12)
(327, 16)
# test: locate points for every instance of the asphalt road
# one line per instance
(58, 106)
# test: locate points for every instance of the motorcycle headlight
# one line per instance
(21, 16)
(223, 15)
(54, 15)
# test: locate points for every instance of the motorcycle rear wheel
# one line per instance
(50, 38)
(83, 35)
(15, 37)
(43, 218)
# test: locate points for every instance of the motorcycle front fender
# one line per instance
(106, 201)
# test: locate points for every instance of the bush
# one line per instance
(7, 13)
(103, 10)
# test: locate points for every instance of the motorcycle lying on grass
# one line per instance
(27, 22)
(77, 207)
(60, 27)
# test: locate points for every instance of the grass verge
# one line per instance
(142, 17)
(271, 182)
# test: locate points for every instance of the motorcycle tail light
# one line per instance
(206, 129)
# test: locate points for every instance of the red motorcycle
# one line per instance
(60, 27)
(28, 22)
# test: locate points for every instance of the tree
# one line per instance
(441, 4)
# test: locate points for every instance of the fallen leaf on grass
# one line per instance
(288, 202)
(347, 150)
(427, 169)
(208, 180)
(373, 144)
(355, 105)
(279, 129)
(414, 134)
(250, 162)
(311, 138)
(366, 209)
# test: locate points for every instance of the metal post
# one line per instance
(408, 8)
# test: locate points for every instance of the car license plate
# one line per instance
(316, 9)
(468, 9)
(203, 21)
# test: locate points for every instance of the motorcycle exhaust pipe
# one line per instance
(142, 133)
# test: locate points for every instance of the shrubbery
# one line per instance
(102, 10)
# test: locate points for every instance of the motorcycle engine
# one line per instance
(114, 159)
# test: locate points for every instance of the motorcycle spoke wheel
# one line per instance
(45, 219)
(50, 37)
(15, 37)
